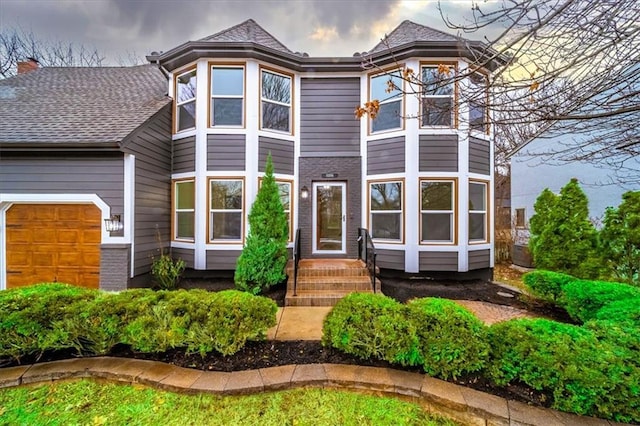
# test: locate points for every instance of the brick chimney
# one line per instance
(31, 64)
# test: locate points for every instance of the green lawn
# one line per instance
(86, 402)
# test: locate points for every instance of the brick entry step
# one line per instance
(322, 282)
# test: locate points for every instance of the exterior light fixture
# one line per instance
(304, 193)
(113, 224)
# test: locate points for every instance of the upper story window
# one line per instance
(437, 198)
(438, 89)
(185, 101)
(385, 211)
(478, 101)
(184, 210)
(227, 96)
(276, 96)
(387, 89)
(478, 211)
(520, 218)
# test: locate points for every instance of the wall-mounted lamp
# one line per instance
(304, 193)
(113, 224)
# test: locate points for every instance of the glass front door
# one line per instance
(329, 217)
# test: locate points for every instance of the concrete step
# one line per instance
(329, 267)
(316, 297)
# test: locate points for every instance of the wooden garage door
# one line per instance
(53, 243)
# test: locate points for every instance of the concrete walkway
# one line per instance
(468, 406)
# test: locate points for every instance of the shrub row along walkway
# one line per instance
(463, 404)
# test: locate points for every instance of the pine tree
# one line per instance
(264, 257)
(620, 238)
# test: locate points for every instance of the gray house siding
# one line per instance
(390, 259)
(222, 259)
(281, 154)
(226, 152)
(479, 259)
(327, 123)
(438, 153)
(185, 254)
(151, 145)
(438, 261)
(184, 155)
(479, 156)
(386, 156)
(65, 173)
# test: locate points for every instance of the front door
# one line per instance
(329, 217)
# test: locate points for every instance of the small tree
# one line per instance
(264, 257)
(563, 238)
(620, 238)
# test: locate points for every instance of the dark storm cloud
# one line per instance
(345, 14)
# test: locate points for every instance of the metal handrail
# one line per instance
(296, 260)
(367, 253)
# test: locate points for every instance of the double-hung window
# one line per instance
(385, 211)
(185, 95)
(184, 210)
(284, 189)
(478, 100)
(226, 214)
(227, 96)
(478, 212)
(438, 89)
(437, 213)
(276, 96)
(387, 90)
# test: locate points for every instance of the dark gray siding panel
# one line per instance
(185, 254)
(151, 144)
(438, 153)
(184, 155)
(390, 259)
(327, 123)
(65, 173)
(386, 156)
(438, 261)
(479, 156)
(479, 259)
(222, 259)
(281, 154)
(226, 152)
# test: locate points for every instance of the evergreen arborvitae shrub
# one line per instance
(620, 238)
(547, 285)
(563, 239)
(264, 257)
(583, 298)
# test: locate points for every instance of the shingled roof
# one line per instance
(248, 31)
(409, 32)
(79, 105)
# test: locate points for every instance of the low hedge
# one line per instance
(547, 285)
(583, 299)
(621, 311)
(584, 374)
(55, 316)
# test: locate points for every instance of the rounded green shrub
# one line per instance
(451, 340)
(547, 285)
(372, 326)
(621, 311)
(583, 299)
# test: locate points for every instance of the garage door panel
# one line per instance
(53, 243)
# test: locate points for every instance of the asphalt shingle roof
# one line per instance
(62, 105)
(408, 32)
(248, 31)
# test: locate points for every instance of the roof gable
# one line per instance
(248, 31)
(409, 32)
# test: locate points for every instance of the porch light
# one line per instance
(304, 193)
(113, 224)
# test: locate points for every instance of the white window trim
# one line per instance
(212, 211)
(371, 212)
(175, 236)
(212, 96)
(452, 212)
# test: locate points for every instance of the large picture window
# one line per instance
(387, 89)
(227, 96)
(437, 218)
(184, 210)
(477, 212)
(185, 96)
(478, 100)
(385, 211)
(437, 95)
(276, 101)
(226, 210)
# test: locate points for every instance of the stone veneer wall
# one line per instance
(115, 262)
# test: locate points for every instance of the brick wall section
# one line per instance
(114, 266)
(349, 170)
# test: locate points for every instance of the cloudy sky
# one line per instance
(122, 28)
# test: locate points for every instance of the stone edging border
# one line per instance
(463, 404)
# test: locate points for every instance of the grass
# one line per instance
(87, 402)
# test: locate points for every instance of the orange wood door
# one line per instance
(53, 243)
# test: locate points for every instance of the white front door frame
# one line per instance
(343, 219)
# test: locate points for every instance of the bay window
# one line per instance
(385, 211)
(276, 96)
(438, 90)
(387, 89)
(227, 96)
(184, 210)
(185, 101)
(226, 214)
(478, 212)
(437, 212)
